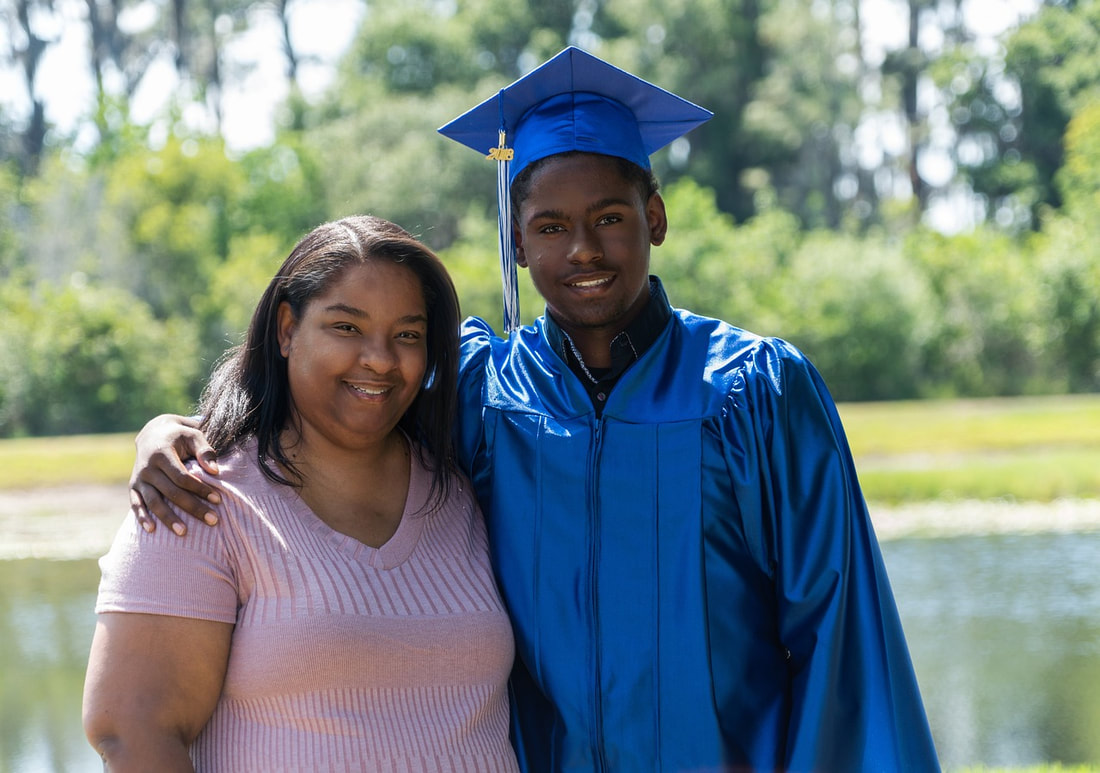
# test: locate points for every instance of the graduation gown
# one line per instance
(692, 577)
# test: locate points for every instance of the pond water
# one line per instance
(1004, 631)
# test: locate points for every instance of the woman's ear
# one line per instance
(286, 323)
(657, 219)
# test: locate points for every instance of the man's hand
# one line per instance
(159, 475)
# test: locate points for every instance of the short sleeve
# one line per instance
(160, 573)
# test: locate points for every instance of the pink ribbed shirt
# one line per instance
(343, 657)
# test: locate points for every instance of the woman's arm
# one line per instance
(152, 683)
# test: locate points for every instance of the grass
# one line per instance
(57, 461)
(1026, 449)
(1046, 768)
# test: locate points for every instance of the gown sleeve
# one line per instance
(854, 700)
(474, 341)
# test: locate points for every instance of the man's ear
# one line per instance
(657, 219)
(517, 239)
(285, 326)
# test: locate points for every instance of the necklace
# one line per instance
(580, 360)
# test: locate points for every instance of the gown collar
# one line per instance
(627, 347)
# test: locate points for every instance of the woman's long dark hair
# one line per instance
(249, 392)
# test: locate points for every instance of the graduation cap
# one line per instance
(573, 101)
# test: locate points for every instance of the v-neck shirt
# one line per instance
(344, 656)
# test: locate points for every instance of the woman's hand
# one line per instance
(159, 475)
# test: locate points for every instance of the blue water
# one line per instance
(1004, 633)
(1005, 637)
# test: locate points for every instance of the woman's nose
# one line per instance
(377, 354)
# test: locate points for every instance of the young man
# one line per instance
(674, 515)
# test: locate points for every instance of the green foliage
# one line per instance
(1012, 138)
(859, 311)
(1079, 178)
(1069, 285)
(473, 263)
(283, 193)
(393, 164)
(715, 268)
(88, 359)
(990, 333)
(10, 210)
(177, 206)
(234, 287)
(190, 235)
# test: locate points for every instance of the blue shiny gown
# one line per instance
(692, 577)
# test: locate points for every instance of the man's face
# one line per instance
(584, 233)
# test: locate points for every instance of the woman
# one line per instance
(345, 616)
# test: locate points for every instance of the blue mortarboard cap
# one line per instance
(574, 101)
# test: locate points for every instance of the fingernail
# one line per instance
(210, 518)
(179, 529)
(145, 524)
(215, 498)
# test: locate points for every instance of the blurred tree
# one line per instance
(120, 56)
(224, 309)
(860, 311)
(413, 67)
(177, 207)
(1011, 115)
(391, 163)
(715, 268)
(1069, 255)
(805, 111)
(161, 224)
(783, 78)
(990, 331)
(473, 264)
(1068, 281)
(12, 212)
(200, 31)
(25, 21)
(88, 359)
(714, 53)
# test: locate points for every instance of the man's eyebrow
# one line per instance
(557, 214)
(610, 201)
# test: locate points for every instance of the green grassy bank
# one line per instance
(1024, 449)
(1027, 449)
(1053, 768)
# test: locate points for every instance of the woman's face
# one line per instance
(356, 357)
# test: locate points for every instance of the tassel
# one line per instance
(503, 155)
